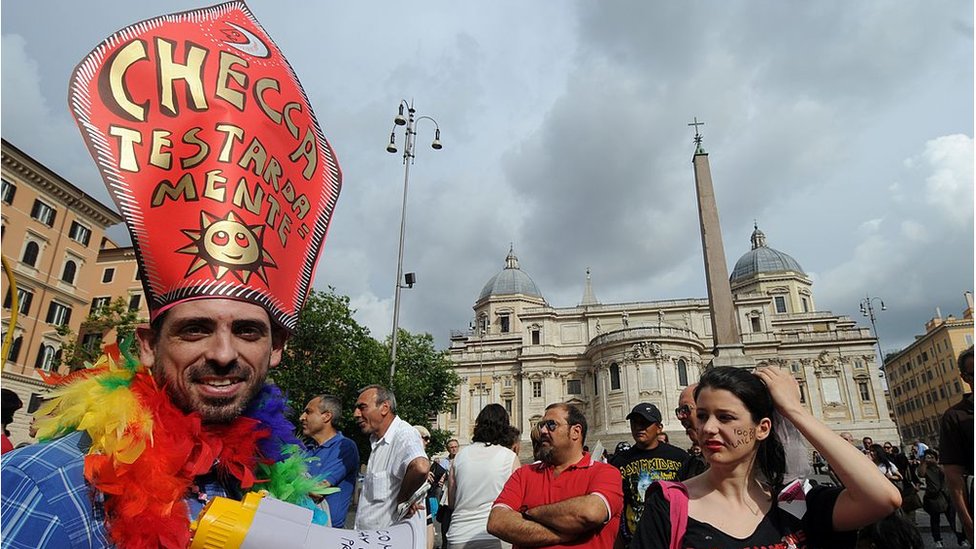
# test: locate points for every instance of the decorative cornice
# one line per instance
(32, 171)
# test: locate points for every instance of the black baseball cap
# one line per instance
(647, 411)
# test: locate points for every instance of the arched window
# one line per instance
(45, 358)
(14, 351)
(614, 376)
(30, 253)
(682, 373)
(70, 269)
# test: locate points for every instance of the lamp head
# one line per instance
(883, 308)
(391, 148)
(400, 120)
(436, 145)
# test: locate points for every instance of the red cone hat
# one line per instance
(209, 147)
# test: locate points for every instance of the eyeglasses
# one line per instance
(683, 411)
(548, 424)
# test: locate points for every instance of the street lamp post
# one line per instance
(867, 309)
(409, 140)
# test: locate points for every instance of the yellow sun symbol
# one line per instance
(228, 245)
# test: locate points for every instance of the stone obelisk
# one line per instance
(725, 330)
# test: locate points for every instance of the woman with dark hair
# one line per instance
(477, 476)
(880, 458)
(742, 499)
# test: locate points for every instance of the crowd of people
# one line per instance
(734, 488)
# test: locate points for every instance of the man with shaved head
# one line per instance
(685, 412)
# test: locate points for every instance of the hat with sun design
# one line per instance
(209, 147)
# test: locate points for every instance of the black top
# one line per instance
(777, 529)
(956, 430)
(639, 468)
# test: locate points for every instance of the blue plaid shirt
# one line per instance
(47, 503)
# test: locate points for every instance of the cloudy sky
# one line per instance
(844, 128)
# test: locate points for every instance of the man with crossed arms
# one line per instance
(567, 498)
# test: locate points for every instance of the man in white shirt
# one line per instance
(397, 464)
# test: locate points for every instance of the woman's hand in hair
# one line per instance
(783, 388)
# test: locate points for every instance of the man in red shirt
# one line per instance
(566, 499)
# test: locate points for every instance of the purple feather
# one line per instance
(270, 407)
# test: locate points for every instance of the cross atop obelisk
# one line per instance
(698, 136)
(727, 350)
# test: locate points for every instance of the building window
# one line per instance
(14, 353)
(794, 367)
(69, 272)
(596, 383)
(682, 373)
(504, 322)
(803, 393)
(614, 377)
(46, 357)
(536, 389)
(969, 339)
(24, 298)
(58, 314)
(43, 213)
(806, 304)
(91, 341)
(99, 303)
(108, 274)
(536, 336)
(780, 302)
(862, 387)
(756, 327)
(134, 301)
(79, 233)
(507, 382)
(31, 251)
(574, 387)
(508, 406)
(9, 190)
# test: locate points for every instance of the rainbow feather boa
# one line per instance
(145, 452)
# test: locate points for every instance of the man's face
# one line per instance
(452, 448)
(644, 432)
(314, 421)
(867, 442)
(686, 410)
(368, 415)
(211, 355)
(848, 437)
(557, 436)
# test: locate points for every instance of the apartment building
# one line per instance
(55, 246)
(923, 378)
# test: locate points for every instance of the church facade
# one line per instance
(524, 353)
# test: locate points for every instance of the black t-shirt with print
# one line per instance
(778, 529)
(639, 468)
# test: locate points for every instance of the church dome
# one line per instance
(763, 259)
(510, 281)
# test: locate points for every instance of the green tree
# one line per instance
(328, 353)
(331, 353)
(424, 382)
(78, 349)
